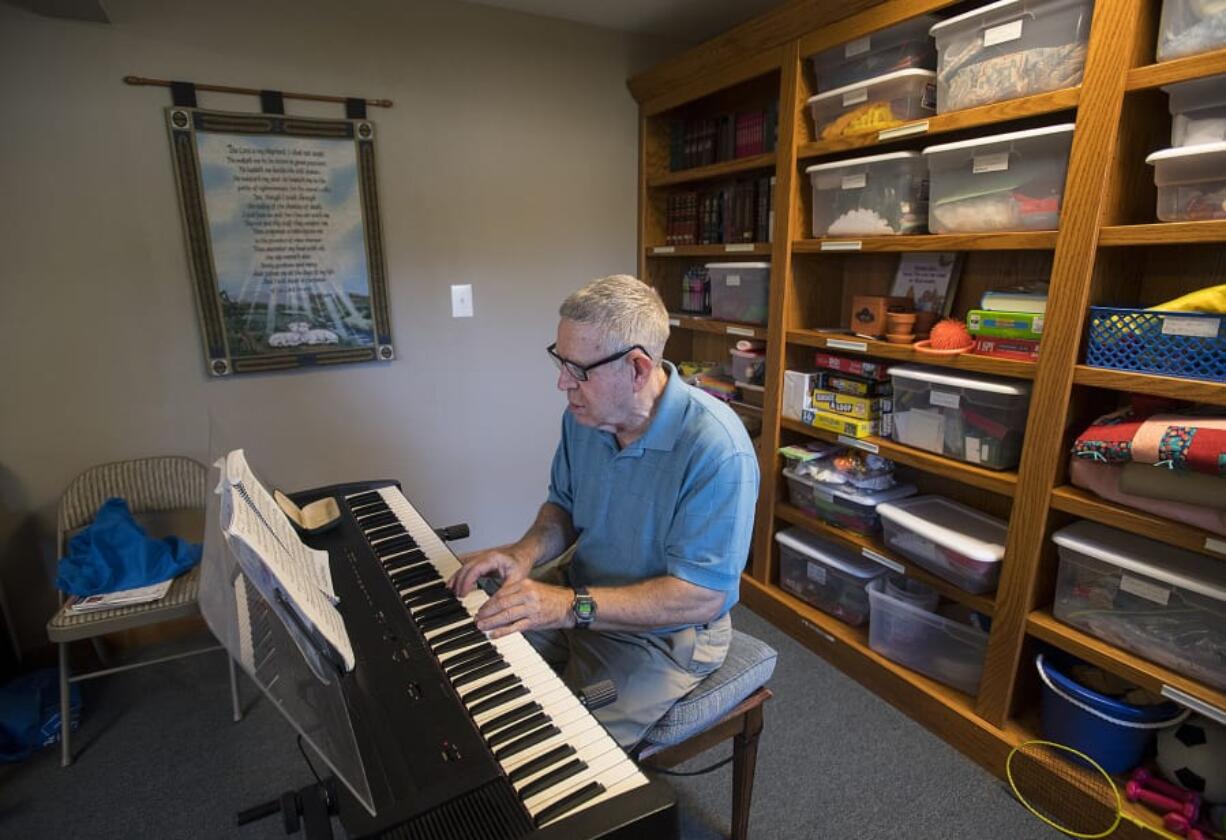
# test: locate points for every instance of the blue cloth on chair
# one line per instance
(114, 553)
(30, 713)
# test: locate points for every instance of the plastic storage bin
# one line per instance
(1162, 603)
(1012, 181)
(748, 366)
(973, 419)
(844, 507)
(898, 47)
(1009, 49)
(1198, 111)
(1191, 182)
(946, 649)
(1190, 26)
(951, 540)
(1191, 345)
(822, 573)
(869, 106)
(870, 196)
(740, 291)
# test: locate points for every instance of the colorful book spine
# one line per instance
(1024, 325)
(1018, 349)
(855, 367)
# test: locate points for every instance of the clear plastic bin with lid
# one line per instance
(878, 195)
(740, 291)
(826, 575)
(1009, 49)
(900, 47)
(1198, 111)
(1189, 27)
(1012, 181)
(1191, 182)
(958, 543)
(875, 104)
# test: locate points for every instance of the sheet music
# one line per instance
(268, 557)
(314, 562)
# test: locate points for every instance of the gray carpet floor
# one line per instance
(158, 757)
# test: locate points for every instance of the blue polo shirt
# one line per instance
(678, 501)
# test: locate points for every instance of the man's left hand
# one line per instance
(526, 605)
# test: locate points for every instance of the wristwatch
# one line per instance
(583, 607)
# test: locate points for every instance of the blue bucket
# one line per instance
(1113, 733)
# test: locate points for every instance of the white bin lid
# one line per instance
(1008, 136)
(954, 380)
(1003, 6)
(829, 553)
(950, 524)
(709, 266)
(874, 498)
(1187, 152)
(1150, 558)
(860, 161)
(909, 73)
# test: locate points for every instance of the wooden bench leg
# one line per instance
(744, 760)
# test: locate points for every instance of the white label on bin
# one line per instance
(995, 162)
(974, 450)
(816, 572)
(907, 130)
(858, 46)
(1197, 327)
(732, 280)
(855, 97)
(841, 245)
(948, 399)
(748, 332)
(1145, 589)
(892, 565)
(1003, 34)
(858, 444)
(738, 247)
(855, 182)
(1215, 545)
(843, 344)
(664, 249)
(674, 322)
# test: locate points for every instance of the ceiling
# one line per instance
(689, 21)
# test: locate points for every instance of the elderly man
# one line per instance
(654, 482)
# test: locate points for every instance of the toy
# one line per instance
(947, 337)
(1193, 754)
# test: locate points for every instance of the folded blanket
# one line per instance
(1157, 482)
(114, 554)
(1141, 434)
(1104, 480)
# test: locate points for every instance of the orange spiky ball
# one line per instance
(949, 334)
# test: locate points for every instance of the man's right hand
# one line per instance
(499, 562)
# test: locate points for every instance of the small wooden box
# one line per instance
(868, 313)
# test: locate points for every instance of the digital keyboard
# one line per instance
(462, 736)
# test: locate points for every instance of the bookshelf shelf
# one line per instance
(1163, 233)
(710, 325)
(796, 516)
(984, 115)
(747, 249)
(1004, 482)
(723, 169)
(844, 343)
(1196, 390)
(1043, 625)
(1030, 241)
(1178, 70)
(1082, 503)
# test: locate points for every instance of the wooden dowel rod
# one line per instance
(312, 97)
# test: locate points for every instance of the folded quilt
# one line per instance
(1145, 434)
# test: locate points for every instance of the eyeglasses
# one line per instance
(579, 372)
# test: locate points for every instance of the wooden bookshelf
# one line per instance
(715, 171)
(843, 343)
(1003, 482)
(983, 116)
(698, 323)
(1041, 240)
(734, 249)
(1107, 205)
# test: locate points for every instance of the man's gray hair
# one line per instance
(626, 309)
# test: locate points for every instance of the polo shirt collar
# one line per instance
(669, 420)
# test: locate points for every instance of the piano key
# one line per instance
(373, 506)
(611, 766)
(384, 532)
(472, 637)
(565, 806)
(507, 718)
(365, 497)
(522, 727)
(419, 594)
(472, 697)
(541, 763)
(449, 635)
(555, 776)
(477, 673)
(376, 520)
(533, 770)
(447, 618)
(468, 663)
(578, 732)
(426, 613)
(396, 545)
(498, 699)
(524, 742)
(611, 791)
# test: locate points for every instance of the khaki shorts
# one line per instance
(651, 670)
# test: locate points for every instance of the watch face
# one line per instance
(585, 608)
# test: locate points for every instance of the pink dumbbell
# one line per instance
(1162, 804)
(1179, 824)
(1149, 781)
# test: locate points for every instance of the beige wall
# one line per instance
(507, 162)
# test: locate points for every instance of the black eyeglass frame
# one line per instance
(579, 372)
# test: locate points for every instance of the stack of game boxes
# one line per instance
(849, 397)
(1008, 324)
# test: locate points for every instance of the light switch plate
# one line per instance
(462, 301)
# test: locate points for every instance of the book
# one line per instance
(1014, 300)
(119, 598)
(929, 279)
(1027, 325)
(1019, 349)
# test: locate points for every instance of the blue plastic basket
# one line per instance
(1142, 340)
